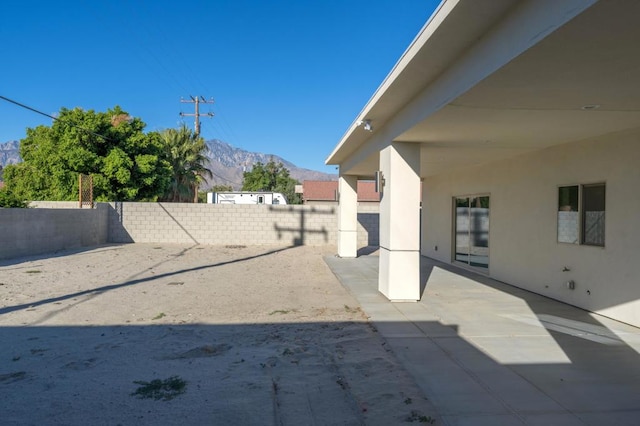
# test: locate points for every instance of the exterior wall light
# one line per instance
(367, 125)
(379, 182)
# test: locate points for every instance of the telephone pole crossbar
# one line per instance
(197, 101)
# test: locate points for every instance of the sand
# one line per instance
(255, 335)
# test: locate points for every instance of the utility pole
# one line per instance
(197, 100)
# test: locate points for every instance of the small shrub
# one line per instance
(280, 312)
(160, 389)
(9, 200)
(417, 417)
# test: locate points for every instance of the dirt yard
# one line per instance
(145, 334)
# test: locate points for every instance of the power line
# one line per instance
(225, 179)
(141, 46)
(27, 107)
(221, 126)
(21, 105)
(197, 100)
(52, 117)
(153, 45)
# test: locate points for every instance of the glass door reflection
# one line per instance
(472, 231)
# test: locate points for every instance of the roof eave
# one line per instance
(346, 144)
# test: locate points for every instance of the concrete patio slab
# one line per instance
(486, 353)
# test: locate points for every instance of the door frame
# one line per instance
(467, 265)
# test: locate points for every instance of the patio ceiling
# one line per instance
(581, 81)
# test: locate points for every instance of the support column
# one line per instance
(348, 216)
(399, 271)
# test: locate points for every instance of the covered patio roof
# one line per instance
(486, 80)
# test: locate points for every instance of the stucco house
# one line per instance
(521, 120)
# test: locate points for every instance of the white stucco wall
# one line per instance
(523, 222)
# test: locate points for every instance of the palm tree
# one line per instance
(185, 151)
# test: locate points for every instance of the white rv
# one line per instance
(245, 197)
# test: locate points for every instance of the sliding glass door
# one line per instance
(472, 230)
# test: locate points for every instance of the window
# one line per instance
(581, 214)
(568, 215)
(593, 212)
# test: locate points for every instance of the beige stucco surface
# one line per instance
(523, 222)
(399, 275)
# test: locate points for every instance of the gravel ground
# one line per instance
(143, 334)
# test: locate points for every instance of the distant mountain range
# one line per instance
(9, 153)
(228, 163)
(225, 161)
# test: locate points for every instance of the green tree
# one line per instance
(7, 199)
(185, 152)
(126, 164)
(271, 177)
(221, 188)
(202, 196)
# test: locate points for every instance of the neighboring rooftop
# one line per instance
(315, 190)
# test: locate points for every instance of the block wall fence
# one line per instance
(28, 232)
(54, 226)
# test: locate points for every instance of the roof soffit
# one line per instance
(453, 28)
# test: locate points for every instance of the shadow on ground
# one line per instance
(260, 374)
(259, 336)
(485, 352)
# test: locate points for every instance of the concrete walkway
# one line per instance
(486, 353)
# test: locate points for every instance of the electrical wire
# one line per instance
(225, 179)
(27, 107)
(144, 45)
(52, 117)
(166, 47)
(153, 41)
(85, 130)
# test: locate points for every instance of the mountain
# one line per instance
(9, 153)
(225, 161)
(228, 163)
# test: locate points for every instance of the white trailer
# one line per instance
(245, 197)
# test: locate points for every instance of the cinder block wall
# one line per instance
(225, 224)
(53, 226)
(26, 232)
(368, 224)
(222, 224)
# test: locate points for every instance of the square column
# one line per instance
(399, 271)
(348, 216)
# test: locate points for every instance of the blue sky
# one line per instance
(288, 77)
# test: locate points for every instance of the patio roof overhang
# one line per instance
(486, 80)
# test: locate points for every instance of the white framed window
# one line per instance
(581, 214)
